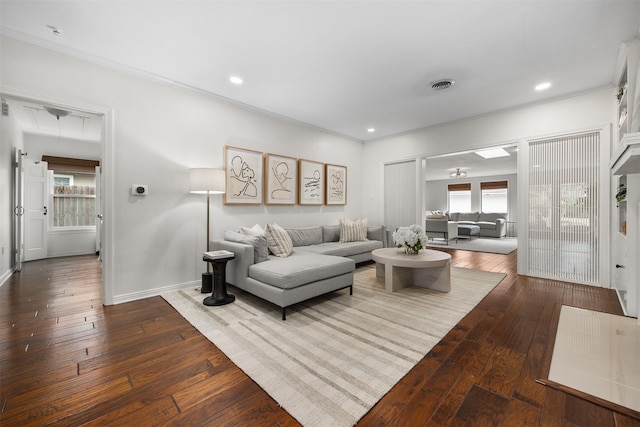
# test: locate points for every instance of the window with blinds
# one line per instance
(494, 196)
(459, 197)
(73, 191)
(563, 208)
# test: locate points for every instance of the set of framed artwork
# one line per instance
(253, 177)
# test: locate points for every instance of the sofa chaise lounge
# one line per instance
(319, 263)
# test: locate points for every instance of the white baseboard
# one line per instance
(134, 296)
(69, 253)
(5, 276)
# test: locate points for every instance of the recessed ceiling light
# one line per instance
(491, 154)
(236, 80)
(543, 86)
(371, 130)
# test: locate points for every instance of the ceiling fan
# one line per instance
(458, 174)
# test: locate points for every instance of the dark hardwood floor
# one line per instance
(66, 360)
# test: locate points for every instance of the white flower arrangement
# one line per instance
(412, 238)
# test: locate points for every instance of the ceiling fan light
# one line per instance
(57, 112)
(458, 174)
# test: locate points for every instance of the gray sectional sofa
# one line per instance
(491, 224)
(453, 225)
(319, 263)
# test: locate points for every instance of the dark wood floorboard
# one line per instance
(67, 360)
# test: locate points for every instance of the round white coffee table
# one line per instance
(428, 269)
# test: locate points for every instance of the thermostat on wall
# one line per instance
(139, 190)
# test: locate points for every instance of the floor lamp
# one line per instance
(207, 181)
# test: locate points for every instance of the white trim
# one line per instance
(134, 296)
(605, 207)
(522, 205)
(6, 275)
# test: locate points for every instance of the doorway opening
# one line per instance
(478, 191)
(58, 205)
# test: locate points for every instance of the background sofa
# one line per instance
(491, 224)
(319, 263)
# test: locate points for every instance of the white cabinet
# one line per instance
(625, 241)
(628, 95)
(625, 169)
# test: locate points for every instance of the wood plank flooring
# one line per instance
(66, 360)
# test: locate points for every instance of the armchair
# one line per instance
(441, 228)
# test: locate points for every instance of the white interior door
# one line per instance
(18, 211)
(35, 209)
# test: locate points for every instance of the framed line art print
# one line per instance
(243, 174)
(336, 185)
(281, 180)
(311, 182)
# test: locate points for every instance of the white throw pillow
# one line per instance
(278, 241)
(256, 230)
(353, 231)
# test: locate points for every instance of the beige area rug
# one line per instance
(335, 356)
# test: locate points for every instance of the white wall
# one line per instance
(160, 131)
(566, 115)
(11, 139)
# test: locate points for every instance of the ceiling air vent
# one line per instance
(442, 84)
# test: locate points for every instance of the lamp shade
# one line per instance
(206, 180)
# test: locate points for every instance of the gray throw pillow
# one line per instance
(330, 233)
(378, 232)
(259, 243)
(305, 236)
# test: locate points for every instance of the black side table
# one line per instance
(219, 295)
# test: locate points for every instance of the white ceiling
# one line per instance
(35, 119)
(439, 167)
(345, 66)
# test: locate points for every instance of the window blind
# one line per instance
(460, 187)
(68, 164)
(563, 208)
(494, 185)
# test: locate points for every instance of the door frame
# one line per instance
(108, 175)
